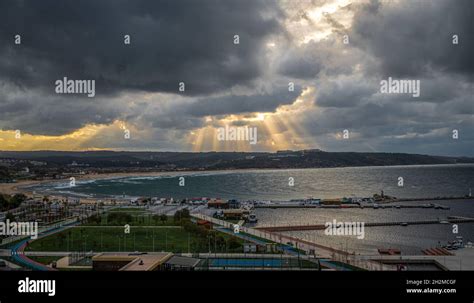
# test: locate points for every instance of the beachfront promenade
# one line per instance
(310, 248)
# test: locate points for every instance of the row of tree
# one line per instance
(216, 239)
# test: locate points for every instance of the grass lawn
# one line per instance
(144, 239)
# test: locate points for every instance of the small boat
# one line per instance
(404, 224)
(252, 218)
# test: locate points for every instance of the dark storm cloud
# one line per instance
(238, 104)
(172, 41)
(190, 114)
(392, 127)
(415, 37)
(36, 113)
(299, 66)
(192, 41)
(404, 39)
(345, 92)
(351, 91)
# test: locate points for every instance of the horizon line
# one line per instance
(213, 151)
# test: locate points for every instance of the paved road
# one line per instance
(242, 236)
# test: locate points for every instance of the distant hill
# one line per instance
(228, 160)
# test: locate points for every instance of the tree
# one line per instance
(181, 215)
(220, 241)
(95, 219)
(185, 213)
(163, 218)
(233, 243)
(17, 199)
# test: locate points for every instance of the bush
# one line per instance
(233, 243)
(95, 219)
(181, 215)
(119, 218)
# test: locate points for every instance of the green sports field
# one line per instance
(144, 239)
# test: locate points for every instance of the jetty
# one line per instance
(370, 206)
(451, 220)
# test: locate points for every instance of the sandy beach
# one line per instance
(13, 188)
(20, 186)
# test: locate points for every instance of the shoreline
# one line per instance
(24, 186)
(21, 186)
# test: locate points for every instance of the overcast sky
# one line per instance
(337, 84)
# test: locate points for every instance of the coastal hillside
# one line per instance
(216, 160)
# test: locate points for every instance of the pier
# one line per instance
(339, 203)
(399, 223)
(377, 206)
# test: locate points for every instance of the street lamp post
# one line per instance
(189, 245)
